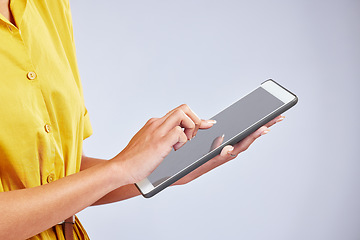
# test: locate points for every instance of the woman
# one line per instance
(44, 177)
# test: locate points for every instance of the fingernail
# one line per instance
(194, 135)
(230, 150)
(280, 119)
(211, 121)
(265, 132)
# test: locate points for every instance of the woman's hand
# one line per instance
(156, 139)
(228, 153)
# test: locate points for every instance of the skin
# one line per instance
(129, 191)
(5, 10)
(105, 181)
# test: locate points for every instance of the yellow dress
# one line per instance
(43, 117)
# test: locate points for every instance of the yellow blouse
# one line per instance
(43, 117)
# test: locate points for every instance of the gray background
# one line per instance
(139, 59)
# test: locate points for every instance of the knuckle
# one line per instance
(184, 106)
(178, 129)
(151, 120)
(183, 138)
(190, 126)
(179, 113)
(197, 122)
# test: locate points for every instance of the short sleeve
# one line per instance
(87, 132)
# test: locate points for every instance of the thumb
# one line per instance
(205, 124)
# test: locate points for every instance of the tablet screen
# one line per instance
(230, 122)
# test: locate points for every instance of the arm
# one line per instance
(119, 194)
(228, 153)
(27, 212)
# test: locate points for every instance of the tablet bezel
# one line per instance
(289, 99)
(277, 91)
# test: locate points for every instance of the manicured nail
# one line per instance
(230, 150)
(230, 154)
(280, 119)
(211, 121)
(265, 132)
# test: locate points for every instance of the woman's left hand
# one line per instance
(228, 153)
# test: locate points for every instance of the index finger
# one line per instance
(191, 114)
(177, 118)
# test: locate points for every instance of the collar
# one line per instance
(17, 8)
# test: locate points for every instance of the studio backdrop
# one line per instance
(139, 59)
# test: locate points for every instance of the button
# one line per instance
(47, 128)
(31, 75)
(50, 178)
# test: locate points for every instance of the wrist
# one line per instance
(119, 172)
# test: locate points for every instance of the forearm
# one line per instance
(27, 212)
(150, 145)
(119, 194)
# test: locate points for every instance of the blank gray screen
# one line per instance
(230, 122)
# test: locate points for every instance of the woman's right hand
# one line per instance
(155, 140)
(71, 194)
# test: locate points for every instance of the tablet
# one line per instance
(233, 124)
